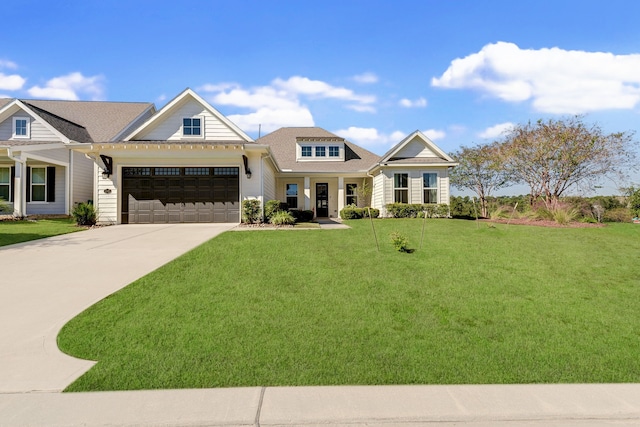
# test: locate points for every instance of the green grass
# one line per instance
(510, 304)
(22, 231)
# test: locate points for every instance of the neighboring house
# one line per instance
(39, 172)
(189, 163)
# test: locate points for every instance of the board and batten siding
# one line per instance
(82, 179)
(269, 181)
(56, 207)
(170, 128)
(38, 131)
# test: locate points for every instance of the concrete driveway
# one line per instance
(45, 283)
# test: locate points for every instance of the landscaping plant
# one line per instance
(85, 214)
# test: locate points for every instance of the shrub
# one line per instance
(302, 215)
(352, 212)
(251, 211)
(4, 205)
(565, 215)
(404, 210)
(85, 214)
(634, 203)
(617, 215)
(282, 218)
(273, 206)
(462, 207)
(400, 242)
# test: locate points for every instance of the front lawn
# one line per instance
(510, 304)
(22, 231)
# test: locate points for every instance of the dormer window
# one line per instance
(192, 126)
(334, 151)
(320, 151)
(21, 127)
(306, 151)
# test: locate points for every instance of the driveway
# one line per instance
(45, 283)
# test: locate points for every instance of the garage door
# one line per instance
(154, 195)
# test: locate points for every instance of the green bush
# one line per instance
(85, 214)
(565, 215)
(352, 212)
(4, 205)
(404, 210)
(273, 206)
(282, 218)
(462, 207)
(400, 241)
(251, 211)
(634, 203)
(617, 215)
(302, 215)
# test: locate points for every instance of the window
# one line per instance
(192, 127)
(306, 151)
(401, 188)
(430, 184)
(321, 151)
(38, 184)
(5, 184)
(21, 127)
(166, 171)
(334, 151)
(352, 194)
(292, 196)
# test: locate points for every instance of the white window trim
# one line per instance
(347, 195)
(201, 136)
(307, 157)
(437, 187)
(407, 188)
(43, 185)
(28, 135)
(327, 148)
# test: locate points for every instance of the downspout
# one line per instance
(22, 211)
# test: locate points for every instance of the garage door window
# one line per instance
(166, 171)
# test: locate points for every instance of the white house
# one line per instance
(189, 163)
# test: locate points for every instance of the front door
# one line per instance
(322, 200)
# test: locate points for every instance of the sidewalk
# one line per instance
(474, 405)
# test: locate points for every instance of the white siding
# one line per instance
(415, 148)
(82, 179)
(38, 131)
(56, 155)
(56, 207)
(170, 127)
(444, 186)
(107, 198)
(415, 187)
(378, 193)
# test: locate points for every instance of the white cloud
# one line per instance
(8, 64)
(371, 138)
(434, 134)
(418, 103)
(496, 130)
(554, 80)
(280, 103)
(11, 82)
(366, 78)
(70, 87)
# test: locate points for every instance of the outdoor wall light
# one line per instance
(108, 166)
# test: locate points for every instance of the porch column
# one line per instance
(20, 190)
(340, 194)
(307, 193)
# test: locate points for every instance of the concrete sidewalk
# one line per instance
(45, 283)
(477, 406)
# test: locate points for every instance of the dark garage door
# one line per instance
(154, 195)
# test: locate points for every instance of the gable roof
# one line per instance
(283, 146)
(71, 130)
(167, 109)
(441, 157)
(102, 120)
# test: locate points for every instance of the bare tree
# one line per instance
(479, 170)
(555, 155)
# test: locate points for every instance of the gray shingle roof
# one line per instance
(101, 120)
(71, 130)
(5, 101)
(283, 147)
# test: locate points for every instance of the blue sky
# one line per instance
(371, 71)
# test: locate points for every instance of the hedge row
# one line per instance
(403, 210)
(351, 212)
